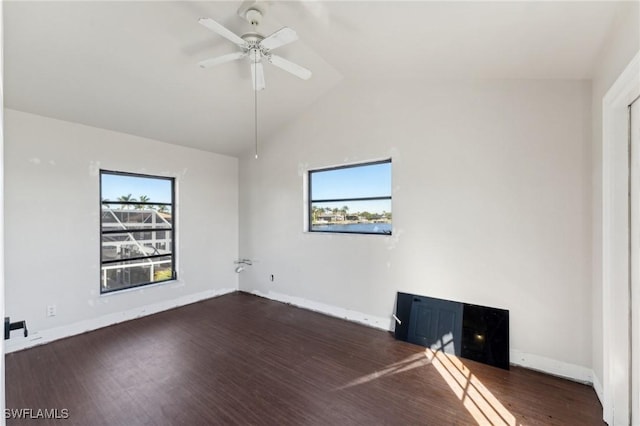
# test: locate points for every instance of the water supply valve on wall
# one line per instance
(242, 263)
(8, 326)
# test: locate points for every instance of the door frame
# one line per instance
(618, 267)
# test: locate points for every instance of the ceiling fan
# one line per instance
(255, 46)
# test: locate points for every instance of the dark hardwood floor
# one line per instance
(241, 359)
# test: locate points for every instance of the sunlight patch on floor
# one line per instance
(476, 398)
(483, 406)
(409, 363)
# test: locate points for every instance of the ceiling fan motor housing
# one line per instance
(253, 48)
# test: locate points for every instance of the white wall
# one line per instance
(52, 224)
(622, 43)
(491, 205)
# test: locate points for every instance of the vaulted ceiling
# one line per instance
(131, 66)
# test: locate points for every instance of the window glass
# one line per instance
(137, 229)
(351, 199)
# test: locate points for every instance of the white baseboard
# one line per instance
(45, 336)
(551, 366)
(597, 386)
(531, 361)
(353, 316)
(534, 362)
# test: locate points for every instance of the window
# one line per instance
(351, 199)
(137, 227)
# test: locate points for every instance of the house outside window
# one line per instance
(137, 228)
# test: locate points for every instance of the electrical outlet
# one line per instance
(52, 310)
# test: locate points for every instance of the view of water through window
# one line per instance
(351, 199)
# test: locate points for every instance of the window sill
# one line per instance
(349, 233)
(139, 288)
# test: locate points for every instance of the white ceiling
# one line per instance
(131, 66)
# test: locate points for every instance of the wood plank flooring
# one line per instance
(241, 359)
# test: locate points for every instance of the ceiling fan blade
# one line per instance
(224, 32)
(295, 69)
(208, 63)
(279, 38)
(257, 80)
